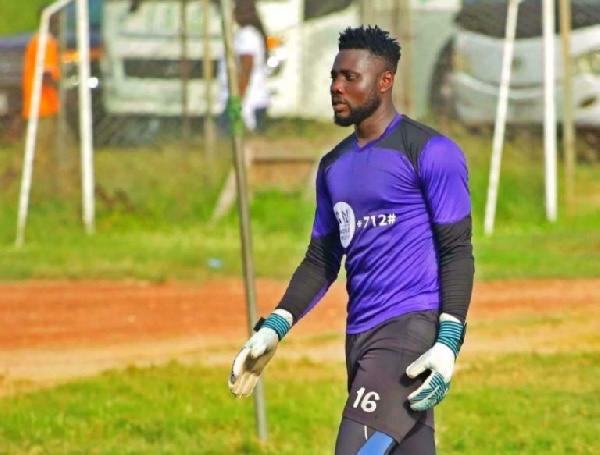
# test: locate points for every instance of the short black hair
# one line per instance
(377, 41)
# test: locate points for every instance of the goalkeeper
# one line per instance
(394, 198)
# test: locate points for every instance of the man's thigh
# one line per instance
(357, 439)
(378, 384)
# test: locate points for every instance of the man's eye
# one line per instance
(350, 77)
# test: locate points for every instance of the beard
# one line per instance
(359, 113)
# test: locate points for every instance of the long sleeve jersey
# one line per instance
(399, 208)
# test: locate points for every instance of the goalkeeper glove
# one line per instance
(256, 353)
(440, 360)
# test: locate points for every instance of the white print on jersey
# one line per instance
(345, 216)
(367, 401)
(382, 219)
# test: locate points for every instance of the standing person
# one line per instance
(250, 48)
(49, 100)
(394, 198)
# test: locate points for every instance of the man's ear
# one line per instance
(386, 81)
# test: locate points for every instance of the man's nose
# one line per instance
(336, 87)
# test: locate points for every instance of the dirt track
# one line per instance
(52, 331)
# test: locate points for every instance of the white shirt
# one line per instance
(249, 41)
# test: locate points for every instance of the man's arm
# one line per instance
(51, 73)
(456, 266)
(317, 271)
(48, 80)
(444, 179)
(314, 275)
(246, 64)
(321, 263)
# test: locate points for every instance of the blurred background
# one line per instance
(148, 62)
(120, 341)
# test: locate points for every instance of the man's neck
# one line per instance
(374, 126)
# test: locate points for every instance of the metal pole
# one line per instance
(62, 96)
(398, 94)
(501, 111)
(207, 72)
(185, 71)
(85, 116)
(235, 112)
(32, 126)
(361, 11)
(549, 110)
(406, 42)
(568, 126)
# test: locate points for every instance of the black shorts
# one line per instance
(376, 363)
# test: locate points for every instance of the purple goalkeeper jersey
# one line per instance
(382, 200)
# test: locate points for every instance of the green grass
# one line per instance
(20, 16)
(513, 404)
(154, 208)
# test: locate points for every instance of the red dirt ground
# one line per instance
(58, 330)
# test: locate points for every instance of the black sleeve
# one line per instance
(314, 275)
(456, 266)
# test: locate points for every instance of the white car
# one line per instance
(478, 49)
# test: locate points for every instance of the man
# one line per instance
(49, 101)
(393, 197)
(250, 48)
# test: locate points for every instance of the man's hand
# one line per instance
(440, 360)
(256, 353)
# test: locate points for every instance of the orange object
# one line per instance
(273, 42)
(49, 102)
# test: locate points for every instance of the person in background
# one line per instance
(250, 49)
(49, 101)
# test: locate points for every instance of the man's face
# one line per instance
(355, 93)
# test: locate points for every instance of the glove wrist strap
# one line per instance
(280, 323)
(450, 334)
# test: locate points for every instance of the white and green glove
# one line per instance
(440, 360)
(256, 353)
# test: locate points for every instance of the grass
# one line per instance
(521, 404)
(153, 210)
(154, 207)
(21, 16)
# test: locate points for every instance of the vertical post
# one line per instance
(362, 11)
(398, 95)
(568, 126)
(407, 67)
(85, 116)
(501, 111)
(185, 71)
(32, 126)
(549, 109)
(234, 110)
(207, 72)
(62, 96)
